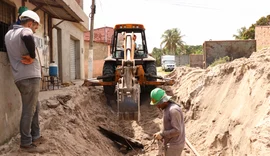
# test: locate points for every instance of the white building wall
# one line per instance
(69, 30)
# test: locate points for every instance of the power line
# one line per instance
(101, 7)
(183, 4)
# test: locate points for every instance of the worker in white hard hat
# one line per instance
(31, 18)
(27, 75)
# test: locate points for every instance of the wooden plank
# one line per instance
(192, 148)
(124, 140)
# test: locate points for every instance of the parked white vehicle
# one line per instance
(168, 62)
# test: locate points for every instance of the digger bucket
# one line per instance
(128, 103)
(128, 109)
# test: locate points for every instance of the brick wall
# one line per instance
(196, 60)
(102, 41)
(262, 36)
(101, 35)
(233, 48)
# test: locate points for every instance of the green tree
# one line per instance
(157, 53)
(172, 39)
(250, 32)
(193, 49)
(240, 34)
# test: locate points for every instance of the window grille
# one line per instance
(7, 17)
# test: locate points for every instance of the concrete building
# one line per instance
(60, 38)
(101, 46)
(213, 50)
(262, 37)
(196, 60)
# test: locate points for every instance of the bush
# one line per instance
(220, 61)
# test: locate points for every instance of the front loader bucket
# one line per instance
(128, 109)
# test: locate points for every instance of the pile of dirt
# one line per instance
(68, 122)
(70, 119)
(227, 107)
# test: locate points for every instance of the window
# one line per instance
(7, 17)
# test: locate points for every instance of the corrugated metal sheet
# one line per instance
(72, 60)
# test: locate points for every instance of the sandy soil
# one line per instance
(226, 111)
(227, 107)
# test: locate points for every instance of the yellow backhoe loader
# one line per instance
(129, 70)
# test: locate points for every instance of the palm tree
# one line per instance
(172, 39)
(240, 34)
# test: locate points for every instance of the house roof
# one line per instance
(101, 35)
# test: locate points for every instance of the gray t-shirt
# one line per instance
(173, 126)
(15, 50)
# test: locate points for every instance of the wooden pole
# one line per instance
(91, 40)
(192, 148)
(42, 75)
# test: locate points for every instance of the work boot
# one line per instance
(39, 140)
(32, 148)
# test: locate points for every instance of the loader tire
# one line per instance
(150, 68)
(109, 69)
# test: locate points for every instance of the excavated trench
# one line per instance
(70, 123)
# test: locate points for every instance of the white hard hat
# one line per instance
(30, 14)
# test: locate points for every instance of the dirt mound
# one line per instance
(227, 106)
(69, 122)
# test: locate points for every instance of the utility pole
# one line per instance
(91, 40)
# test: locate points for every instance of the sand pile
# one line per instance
(227, 107)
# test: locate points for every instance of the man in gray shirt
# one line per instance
(27, 74)
(173, 132)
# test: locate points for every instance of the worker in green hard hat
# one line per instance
(20, 11)
(18, 22)
(173, 131)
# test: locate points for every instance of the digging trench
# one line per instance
(85, 110)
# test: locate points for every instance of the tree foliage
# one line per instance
(174, 45)
(193, 49)
(249, 33)
(189, 49)
(157, 53)
(172, 41)
(240, 34)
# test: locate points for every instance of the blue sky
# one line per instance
(198, 20)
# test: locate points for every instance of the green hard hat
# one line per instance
(158, 96)
(22, 9)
